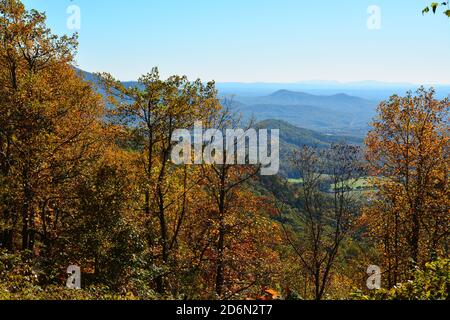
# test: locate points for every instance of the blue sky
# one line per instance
(259, 40)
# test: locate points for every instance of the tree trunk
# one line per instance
(220, 261)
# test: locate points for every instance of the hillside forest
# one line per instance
(86, 180)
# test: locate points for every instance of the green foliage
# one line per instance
(434, 7)
(431, 283)
(108, 240)
(16, 272)
(60, 293)
(20, 280)
(294, 138)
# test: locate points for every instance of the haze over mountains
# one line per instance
(315, 118)
(328, 107)
(334, 114)
(370, 90)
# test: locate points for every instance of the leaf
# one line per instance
(447, 13)
(274, 294)
(434, 6)
(426, 10)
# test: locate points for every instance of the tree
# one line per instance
(50, 126)
(407, 150)
(223, 179)
(249, 261)
(327, 219)
(103, 233)
(152, 111)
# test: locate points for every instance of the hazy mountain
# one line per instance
(290, 111)
(338, 102)
(371, 90)
(325, 106)
(336, 114)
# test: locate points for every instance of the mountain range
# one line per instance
(335, 114)
(371, 90)
(302, 118)
(328, 107)
(339, 113)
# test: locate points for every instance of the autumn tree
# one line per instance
(236, 219)
(104, 233)
(50, 126)
(408, 153)
(328, 216)
(250, 262)
(151, 112)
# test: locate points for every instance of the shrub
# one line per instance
(431, 283)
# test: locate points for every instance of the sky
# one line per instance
(258, 40)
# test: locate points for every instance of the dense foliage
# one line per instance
(430, 283)
(87, 180)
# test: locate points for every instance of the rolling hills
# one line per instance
(340, 114)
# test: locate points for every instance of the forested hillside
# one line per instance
(293, 138)
(87, 180)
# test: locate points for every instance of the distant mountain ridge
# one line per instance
(287, 97)
(326, 112)
(371, 90)
(339, 113)
(336, 114)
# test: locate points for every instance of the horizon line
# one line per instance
(312, 82)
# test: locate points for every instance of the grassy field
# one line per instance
(356, 184)
(295, 181)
